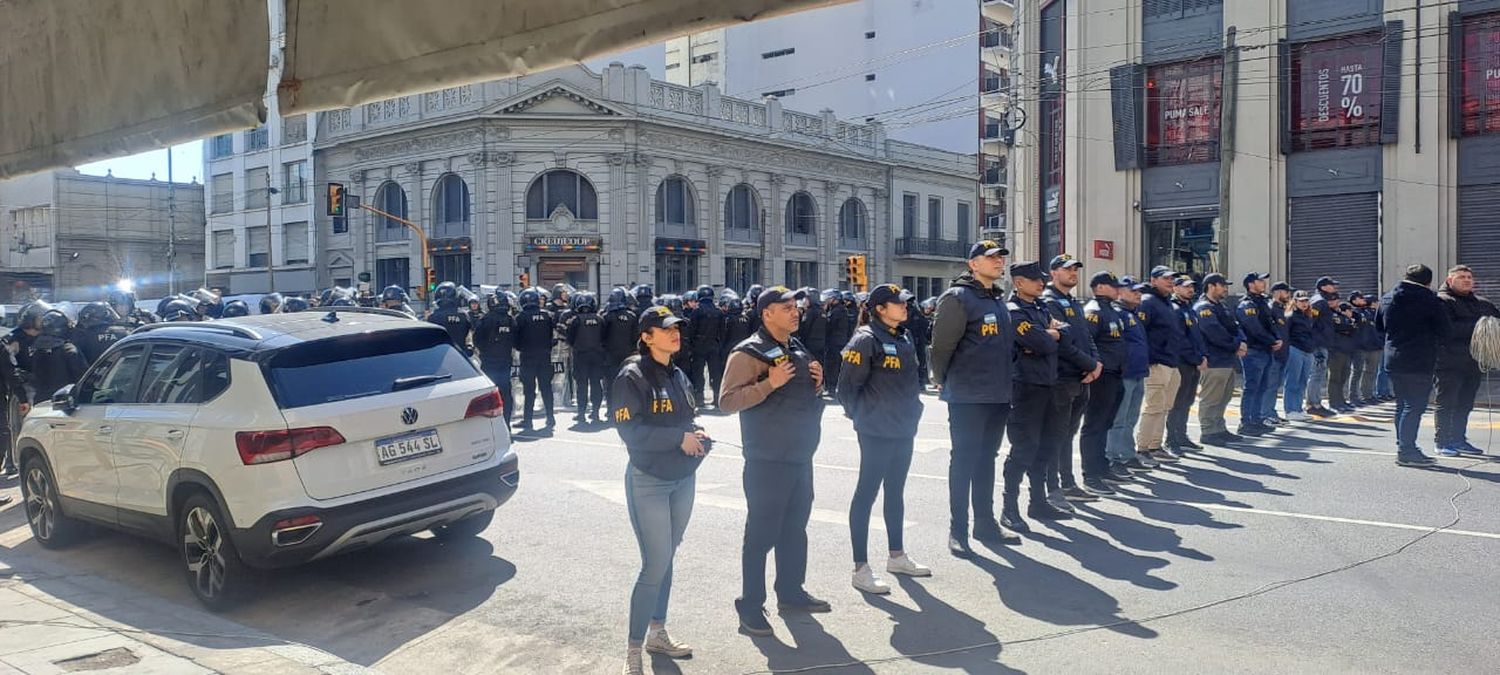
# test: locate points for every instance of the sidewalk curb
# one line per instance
(176, 638)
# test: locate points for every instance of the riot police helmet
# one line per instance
(97, 315)
(828, 295)
(531, 298)
(295, 304)
(121, 300)
(271, 303)
(31, 315)
(179, 310)
(393, 293)
(618, 298)
(235, 308)
(586, 303)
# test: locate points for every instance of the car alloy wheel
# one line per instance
(202, 549)
(41, 505)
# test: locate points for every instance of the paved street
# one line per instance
(1191, 570)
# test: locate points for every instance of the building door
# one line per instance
(454, 267)
(393, 272)
(1478, 232)
(676, 273)
(572, 271)
(1183, 244)
(1336, 236)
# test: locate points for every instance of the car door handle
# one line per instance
(176, 433)
(105, 431)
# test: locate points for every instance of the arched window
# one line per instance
(852, 221)
(391, 199)
(450, 203)
(562, 187)
(742, 214)
(676, 212)
(801, 220)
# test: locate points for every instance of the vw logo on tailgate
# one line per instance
(409, 415)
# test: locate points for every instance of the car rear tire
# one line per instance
(49, 527)
(215, 573)
(468, 527)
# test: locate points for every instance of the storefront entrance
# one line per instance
(573, 271)
(1184, 244)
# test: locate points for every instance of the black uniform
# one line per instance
(11, 389)
(1107, 331)
(707, 324)
(92, 342)
(651, 409)
(919, 328)
(620, 336)
(495, 339)
(840, 330)
(1034, 405)
(456, 321)
(1076, 357)
(585, 334)
(535, 330)
(53, 364)
(736, 329)
(813, 331)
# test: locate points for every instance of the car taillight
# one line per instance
(261, 447)
(488, 405)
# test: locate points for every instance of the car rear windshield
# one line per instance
(368, 364)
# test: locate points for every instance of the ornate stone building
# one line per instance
(613, 178)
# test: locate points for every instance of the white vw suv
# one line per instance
(268, 441)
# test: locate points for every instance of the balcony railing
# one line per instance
(942, 248)
(995, 177)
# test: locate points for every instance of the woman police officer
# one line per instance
(653, 413)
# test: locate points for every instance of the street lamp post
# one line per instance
(270, 247)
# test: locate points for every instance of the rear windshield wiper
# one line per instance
(403, 383)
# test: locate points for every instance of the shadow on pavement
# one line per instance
(1142, 536)
(1101, 557)
(935, 626)
(812, 647)
(1201, 476)
(1175, 491)
(1051, 595)
(1248, 468)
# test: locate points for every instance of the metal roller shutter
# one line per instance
(1337, 236)
(1479, 232)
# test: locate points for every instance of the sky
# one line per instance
(187, 158)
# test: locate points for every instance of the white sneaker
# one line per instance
(658, 642)
(865, 580)
(633, 662)
(903, 564)
(1298, 416)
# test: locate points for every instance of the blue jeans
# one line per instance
(1412, 393)
(1273, 383)
(1317, 381)
(1383, 379)
(659, 512)
(1294, 378)
(1121, 446)
(1257, 366)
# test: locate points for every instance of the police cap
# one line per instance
(1065, 261)
(987, 247)
(776, 294)
(1217, 279)
(658, 317)
(1255, 276)
(1028, 270)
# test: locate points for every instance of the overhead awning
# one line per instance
(84, 80)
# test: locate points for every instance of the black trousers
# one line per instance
(779, 498)
(588, 382)
(1187, 393)
(1104, 399)
(7, 451)
(499, 373)
(882, 462)
(1339, 367)
(1033, 409)
(922, 363)
(1456, 390)
(698, 363)
(975, 431)
(1075, 395)
(537, 375)
(716, 364)
(831, 361)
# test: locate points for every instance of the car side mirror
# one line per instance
(63, 399)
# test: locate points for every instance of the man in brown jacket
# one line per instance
(772, 381)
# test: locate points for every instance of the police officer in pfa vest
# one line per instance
(1037, 407)
(451, 316)
(1192, 361)
(1106, 329)
(772, 381)
(123, 302)
(841, 324)
(495, 339)
(98, 328)
(1262, 341)
(620, 332)
(707, 324)
(585, 335)
(971, 366)
(1225, 345)
(919, 329)
(535, 331)
(52, 361)
(11, 389)
(1077, 367)
(813, 328)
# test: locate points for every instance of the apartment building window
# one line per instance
(223, 189)
(801, 274)
(1479, 74)
(779, 52)
(964, 214)
(673, 66)
(852, 225)
(391, 199)
(704, 58)
(223, 249)
(294, 182)
(934, 218)
(994, 81)
(562, 187)
(257, 139)
(801, 220)
(779, 93)
(221, 146)
(1182, 112)
(676, 212)
(1336, 92)
(741, 273)
(451, 207)
(294, 243)
(869, 35)
(294, 129)
(257, 188)
(909, 215)
(742, 214)
(870, 77)
(257, 246)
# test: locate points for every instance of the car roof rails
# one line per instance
(237, 331)
(333, 312)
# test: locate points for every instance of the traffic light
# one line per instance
(854, 267)
(431, 280)
(336, 200)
